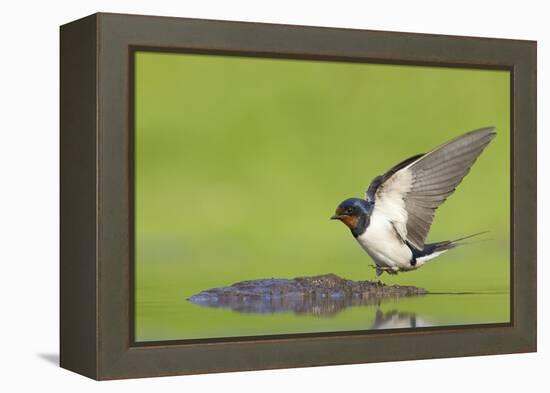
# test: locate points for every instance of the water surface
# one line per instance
(172, 320)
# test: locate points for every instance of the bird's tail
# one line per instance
(432, 250)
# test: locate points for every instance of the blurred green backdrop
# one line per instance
(241, 161)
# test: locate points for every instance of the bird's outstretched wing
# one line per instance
(410, 192)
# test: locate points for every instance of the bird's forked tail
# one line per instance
(433, 250)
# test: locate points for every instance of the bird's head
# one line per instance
(353, 212)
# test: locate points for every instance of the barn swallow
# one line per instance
(392, 222)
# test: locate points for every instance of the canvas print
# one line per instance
(290, 196)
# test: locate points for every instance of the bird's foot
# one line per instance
(382, 269)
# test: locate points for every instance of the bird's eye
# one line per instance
(349, 211)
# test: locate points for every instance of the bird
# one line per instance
(393, 220)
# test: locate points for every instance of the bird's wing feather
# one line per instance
(409, 193)
(378, 180)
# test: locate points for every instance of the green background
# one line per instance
(241, 161)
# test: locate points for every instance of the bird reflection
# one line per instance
(395, 319)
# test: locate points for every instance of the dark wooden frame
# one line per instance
(97, 195)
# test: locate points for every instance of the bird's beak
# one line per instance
(336, 217)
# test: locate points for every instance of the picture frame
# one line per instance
(97, 205)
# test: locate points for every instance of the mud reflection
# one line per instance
(316, 304)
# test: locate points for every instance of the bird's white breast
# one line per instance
(384, 245)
